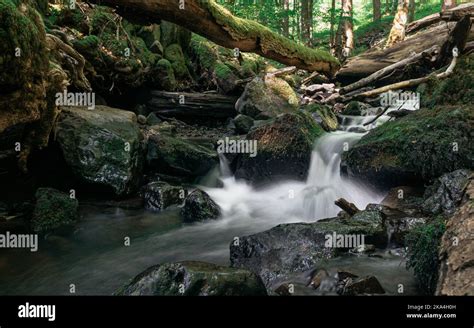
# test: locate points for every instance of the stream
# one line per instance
(97, 262)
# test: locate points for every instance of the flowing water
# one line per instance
(97, 262)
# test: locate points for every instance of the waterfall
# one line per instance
(294, 200)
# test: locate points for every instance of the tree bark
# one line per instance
(411, 11)
(448, 4)
(286, 18)
(214, 22)
(377, 11)
(397, 33)
(345, 33)
(333, 19)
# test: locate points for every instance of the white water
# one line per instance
(95, 258)
(300, 201)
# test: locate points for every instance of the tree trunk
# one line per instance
(377, 10)
(218, 25)
(305, 25)
(286, 18)
(333, 18)
(448, 4)
(411, 11)
(397, 33)
(345, 33)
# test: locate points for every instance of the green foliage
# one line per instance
(423, 245)
(456, 89)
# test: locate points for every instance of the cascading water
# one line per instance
(96, 260)
(303, 201)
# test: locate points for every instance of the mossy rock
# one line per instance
(164, 75)
(160, 195)
(102, 147)
(172, 34)
(284, 149)
(456, 89)
(324, 116)
(174, 54)
(174, 156)
(53, 210)
(266, 98)
(199, 206)
(422, 253)
(420, 146)
(194, 279)
(23, 55)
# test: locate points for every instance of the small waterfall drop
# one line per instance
(302, 201)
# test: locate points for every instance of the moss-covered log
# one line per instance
(214, 22)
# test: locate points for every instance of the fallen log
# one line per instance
(192, 106)
(457, 39)
(387, 70)
(374, 60)
(453, 14)
(281, 72)
(214, 22)
(411, 83)
(347, 207)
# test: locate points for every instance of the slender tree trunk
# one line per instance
(388, 4)
(377, 10)
(448, 4)
(333, 22)
(305, 26)
(397, 33)
(411, 11)
(345, 33)
(286, 18)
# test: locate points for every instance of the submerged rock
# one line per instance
(446, 193)
(175, 156)
(53, 210)
(266, 98)
(198, 206)
(284, 149)
(243, 123)
(102, 146)
(363, 286)
(194, 279)
(160, 195)
(420, 146)
(297, 247)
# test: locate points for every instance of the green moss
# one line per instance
(456, 89)
(428, 143)
(222, 70)
(174, 54)
(422, 253)
(328, 118)
(53, 209)
(165, 75)
(87, 45)
(22, 32)
(241, 29)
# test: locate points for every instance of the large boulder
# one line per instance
(158, 196)
(194, 279)
(266, 98)
(420, 146)
(456, 272)
(298, 247)
(198, 206)
(284, 149)
(445, 195)
(102, 146)
(167, 154)
(53, 210)
(171, 33)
